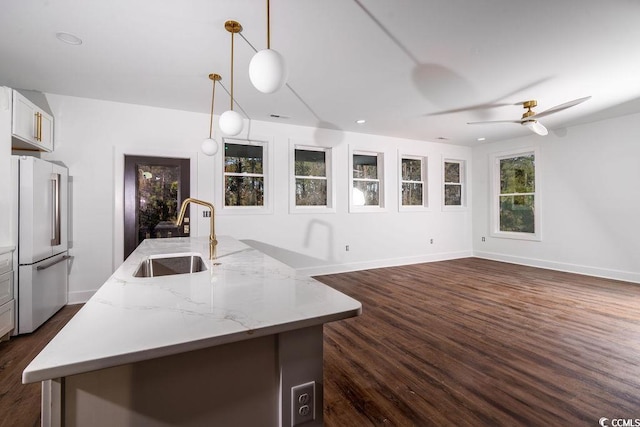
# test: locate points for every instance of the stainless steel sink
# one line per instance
(167, 265)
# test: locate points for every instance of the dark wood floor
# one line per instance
(20, 403)
(466, 342)
(472, 342)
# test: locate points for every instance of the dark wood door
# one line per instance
(154, 188)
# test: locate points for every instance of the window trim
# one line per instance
(330, 172)
(495, 195)
(267, 207)
(381, 182)
(424, 172)
(463, 184)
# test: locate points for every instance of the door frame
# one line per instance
(118, 193)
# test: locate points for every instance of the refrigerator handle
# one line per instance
(44, 267)
(55, 215)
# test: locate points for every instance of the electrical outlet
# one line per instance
(303, 408)
(483, 238)
(431, 241)
(346, 248)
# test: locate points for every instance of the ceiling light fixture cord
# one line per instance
(213, 95)
(231, 123)
(232, 34)
(235, 102)
(268, 27)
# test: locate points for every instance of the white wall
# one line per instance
(92, 136)
(589, 195)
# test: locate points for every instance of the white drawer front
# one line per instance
(6, 287)
(6, 317)
(6, 260)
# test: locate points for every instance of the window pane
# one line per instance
(157, 197)
(311, 192)
(411, 170)
(517, 214)
(240, 158)
(244, 191)
(310, 163)
(366, 193)
(411, 194)
(453, 195)
(517, 175)
(365, 167)
(451, 172)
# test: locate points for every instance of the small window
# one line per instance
(311, 180)
(515, 208)
(412, 182)
(453, 183)
(244, 179)
(367, 180)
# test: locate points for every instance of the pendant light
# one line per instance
(210, 146)
(230, 121)
(267, 69)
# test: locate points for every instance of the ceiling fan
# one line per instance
(530, 118)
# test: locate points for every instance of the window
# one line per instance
(366, 180)
(412, 182)
(515, 207)
(453, 183)
(312, 178)
(244, 177)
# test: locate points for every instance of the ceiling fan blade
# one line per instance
(494, 121)
(469, 108)
(561, 107)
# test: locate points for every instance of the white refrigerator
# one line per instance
(39, 227)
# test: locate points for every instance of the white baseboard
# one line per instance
(627, 276)
(392, 262)
(80, 297)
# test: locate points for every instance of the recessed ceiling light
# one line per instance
(69, 38)
(482, 138)
(361, 121)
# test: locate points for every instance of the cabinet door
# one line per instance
(6, 287)
(24, 118)
(46, 131)
(7, 317)
(32, 127)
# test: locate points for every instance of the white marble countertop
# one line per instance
(131, 319)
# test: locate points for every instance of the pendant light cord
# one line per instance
(213, 96)
(268, 27)
(232, 34)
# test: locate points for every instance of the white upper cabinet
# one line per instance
(32, 127)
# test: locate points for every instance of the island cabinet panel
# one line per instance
(233, 384)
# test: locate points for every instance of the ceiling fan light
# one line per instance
(268, 71)
(537, 127)
(209, 146)
(231, 123)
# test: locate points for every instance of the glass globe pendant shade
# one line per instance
(537, 127)
(209, 146)
(268, 71)
(231, 123)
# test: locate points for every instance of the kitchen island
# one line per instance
(223, 346)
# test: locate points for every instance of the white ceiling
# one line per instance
(418, 69)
